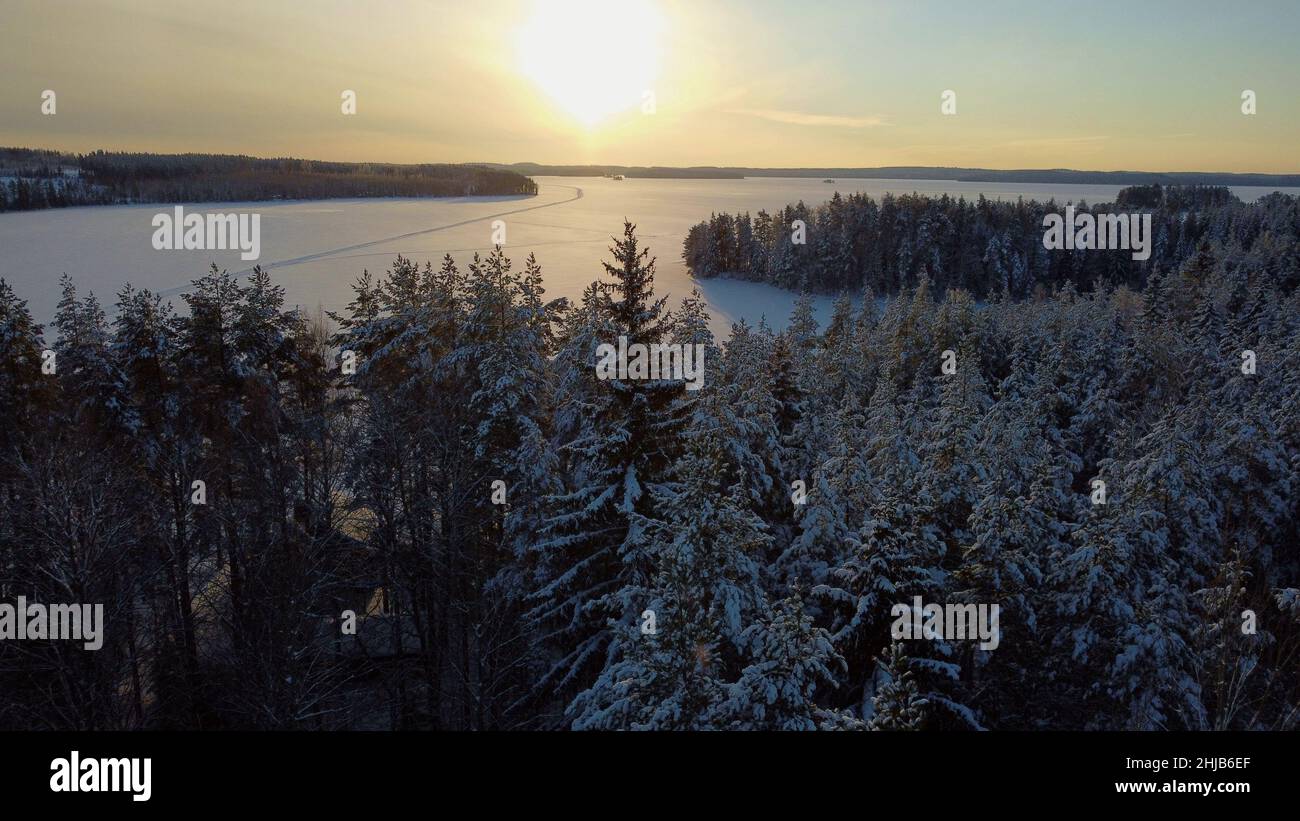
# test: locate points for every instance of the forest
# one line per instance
(33, 179)
(984, 247)
(441, 461)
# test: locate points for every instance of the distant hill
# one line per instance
(32, 179)
(644, 172)
(917, 172)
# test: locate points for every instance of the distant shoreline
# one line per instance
(953, 174)
(35, 179)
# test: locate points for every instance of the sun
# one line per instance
(592, 58)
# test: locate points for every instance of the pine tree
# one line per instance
(794, 662)
(595, 554)
(21, 393)
(704, 595)
(897, 704)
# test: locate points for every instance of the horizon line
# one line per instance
(697, 167)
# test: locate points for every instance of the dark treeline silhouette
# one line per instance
(644, 561)
(533, 169)
(1056, 176)
(1178, 198)
(982, 246)
(46, 179)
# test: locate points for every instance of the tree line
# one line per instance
(32, 179)
(984, 247)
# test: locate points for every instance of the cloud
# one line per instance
(800, 118)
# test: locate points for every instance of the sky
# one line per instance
(1155, 85)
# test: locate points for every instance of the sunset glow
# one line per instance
(591, 58)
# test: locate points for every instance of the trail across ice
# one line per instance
(284, 263)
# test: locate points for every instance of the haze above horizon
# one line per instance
(1156, 87)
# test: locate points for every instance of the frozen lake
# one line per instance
(317, 249)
